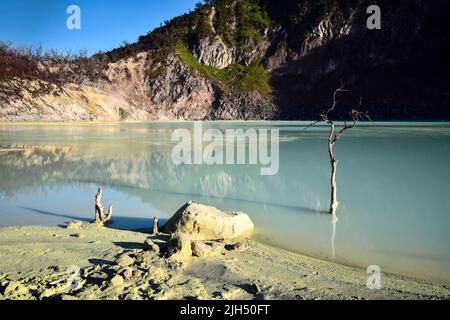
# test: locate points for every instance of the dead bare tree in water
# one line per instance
(100, 217)
(333, 137)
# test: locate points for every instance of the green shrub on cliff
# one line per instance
(243, 78)
(252, 19)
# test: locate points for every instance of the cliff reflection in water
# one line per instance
(46, 167)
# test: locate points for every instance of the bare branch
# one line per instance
(100, 216)
(325, 116)
(312, 124)
(355, 116)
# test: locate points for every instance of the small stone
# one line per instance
(216, 245)
(75, 224)
(127, 273)
(97, 268)
(78, 235)
(255, 289)
(239, 246)
(137, 273)
(144, 258)
(117, 280)
(69, 297)
(200, 249)
(151, 246)
(15, 287)
(21, 290)
(179, 247)
(46, 293)
(124, 261)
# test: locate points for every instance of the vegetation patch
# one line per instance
(253, 20)
(243, 78)
(250, 16)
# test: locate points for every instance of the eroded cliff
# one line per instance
(248, 59)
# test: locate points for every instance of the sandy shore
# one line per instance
(34, 265)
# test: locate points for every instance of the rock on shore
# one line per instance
(208, 223)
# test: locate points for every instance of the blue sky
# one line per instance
(105, 24)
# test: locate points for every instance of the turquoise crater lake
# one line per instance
(393, 186)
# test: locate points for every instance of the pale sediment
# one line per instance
(34, 264)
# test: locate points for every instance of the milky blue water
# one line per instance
(393, 187)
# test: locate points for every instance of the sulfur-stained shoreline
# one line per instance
(34, 264)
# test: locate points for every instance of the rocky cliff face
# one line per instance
(253, 59)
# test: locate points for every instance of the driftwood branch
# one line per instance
(155, 226)
(100, 216)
